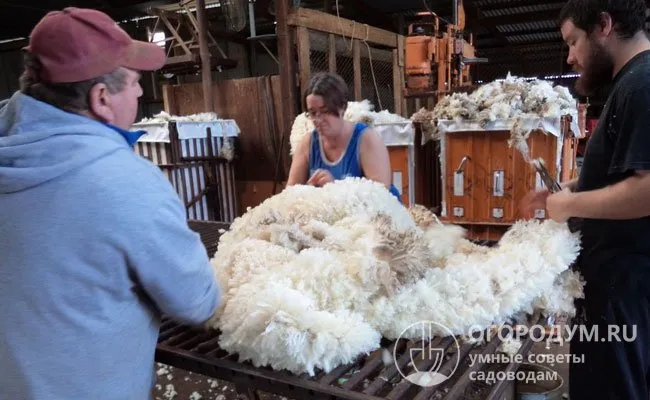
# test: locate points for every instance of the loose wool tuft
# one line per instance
(314, 277)
(356, 111)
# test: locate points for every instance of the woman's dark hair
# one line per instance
(71, 97)
(628, 16)
(331, 87)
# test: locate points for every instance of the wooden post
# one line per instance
(287, 79)
(204, 52)
(397, 85)
(304, 62)
(331, 52)
(356, 62)
(401, 50)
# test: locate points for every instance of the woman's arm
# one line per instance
(374, 158)
(299, 171)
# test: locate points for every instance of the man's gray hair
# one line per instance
(72, 97)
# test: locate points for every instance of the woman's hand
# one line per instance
(320, 178)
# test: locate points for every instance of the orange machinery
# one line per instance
(438, 62)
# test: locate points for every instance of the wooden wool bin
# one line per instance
(484, 179)
(189, 154)
(399, 139)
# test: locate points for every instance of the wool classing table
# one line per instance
(369, 377)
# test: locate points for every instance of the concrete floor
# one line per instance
(177, 384)
(561, 368)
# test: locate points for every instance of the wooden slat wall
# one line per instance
(262, 153)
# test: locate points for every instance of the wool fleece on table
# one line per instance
(314, 277)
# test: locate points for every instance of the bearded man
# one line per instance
(610, 200)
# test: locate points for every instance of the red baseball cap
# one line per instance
(78, 44)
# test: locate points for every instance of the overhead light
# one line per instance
(12, 40)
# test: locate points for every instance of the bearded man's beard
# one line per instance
(597, 71)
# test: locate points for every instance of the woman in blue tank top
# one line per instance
(337, 148)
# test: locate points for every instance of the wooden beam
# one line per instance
(320, 42)
(324, 22)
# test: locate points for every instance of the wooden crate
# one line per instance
(484, 179)
(204, 181)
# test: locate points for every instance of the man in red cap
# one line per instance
(94, 244)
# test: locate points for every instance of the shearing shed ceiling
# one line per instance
(517, 36)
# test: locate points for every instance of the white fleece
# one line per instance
(314, 277)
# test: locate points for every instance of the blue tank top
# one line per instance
(348, 165)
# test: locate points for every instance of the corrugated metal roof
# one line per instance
(482, 3)
(514, 3)
(510, 10)
(534, 37)
(550, 47)
(528, 26)
(486, 42)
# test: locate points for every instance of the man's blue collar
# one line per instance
(131, 137)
